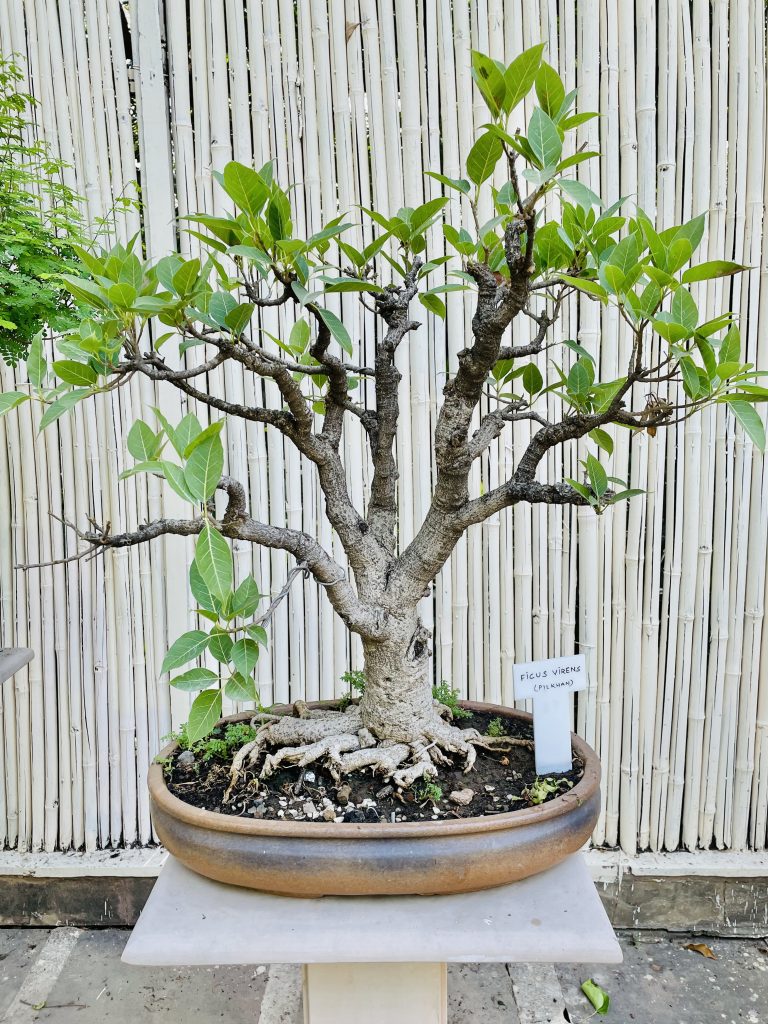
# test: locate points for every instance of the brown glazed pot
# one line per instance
(307, 858)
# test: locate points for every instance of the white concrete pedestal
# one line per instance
(377, 959)
(375, 993)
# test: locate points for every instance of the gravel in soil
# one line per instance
(499, 782)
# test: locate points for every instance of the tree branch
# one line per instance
(392, 307)
(238, 525)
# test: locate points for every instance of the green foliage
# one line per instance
(427, 791)
(218, 744)
(540, 789)
(39, 221)
(496, 728)
(355, 680)
(233, 640)
(444, 694)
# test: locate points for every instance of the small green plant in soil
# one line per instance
(444, 694)
(428, 791)
(496, 728)
(216, 745)
(539, 790)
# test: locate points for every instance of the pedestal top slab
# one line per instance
(12, 659)
(553, 917)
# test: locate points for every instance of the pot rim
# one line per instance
(581, 793)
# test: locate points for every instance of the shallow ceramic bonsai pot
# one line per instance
(309, 859)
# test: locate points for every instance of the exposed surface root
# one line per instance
(340, 741)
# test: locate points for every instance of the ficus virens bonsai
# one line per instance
(548, 236)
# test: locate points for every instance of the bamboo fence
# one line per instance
(354, 99)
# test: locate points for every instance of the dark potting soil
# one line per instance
(498, 782)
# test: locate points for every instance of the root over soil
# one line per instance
(340, 742)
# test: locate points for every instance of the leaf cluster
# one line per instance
(233, 641)
(39, 219)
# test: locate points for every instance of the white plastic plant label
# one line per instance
(550, 684)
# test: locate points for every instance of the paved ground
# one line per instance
(68, 976)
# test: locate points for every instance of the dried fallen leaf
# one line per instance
(596, 995)
(702, 948)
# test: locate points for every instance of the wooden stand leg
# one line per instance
(375, 993)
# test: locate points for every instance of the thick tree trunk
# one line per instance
(397, 705)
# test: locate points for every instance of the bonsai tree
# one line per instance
(548, 237)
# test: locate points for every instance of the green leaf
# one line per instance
(490, 81)
(220, 644)
(602, 439)
(597, 996)
(299, 336)
(62, 405)
(684, 310)
(200, 590)
(220, 305)
(690, 377)
(598, 479)
(578, 119)
(175, 476)
(423, 215)
(37, 367)
(531, 378)
(185, 278)
(712, 269)
(188, 429)
(459, 184)
(585, 285)
(122, 295)
(246, 598)
(581, 377)
(692, 232)
(244, 655)
(85, 291)
(750, 420)
(579, 193)
(237, 319)
(626, 253)
(483, 157)
(433, 303)
(214, 562)
(247, 188)
(240, 688)
(10, 399)
(200, 436)
(204, 467)
(336, 327)
(258, 633)
(520, 76)
(74, 373)
(544, 138)
(188, 647)
(279, 215)
(550, 90)
(203, 715)
(625, 495)
(142, 442)
(730, 350)
(579, 488)
(669, 331)
(195, 679)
